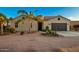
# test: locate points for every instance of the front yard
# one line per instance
(35, 42)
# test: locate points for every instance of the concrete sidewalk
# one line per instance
(68, 33)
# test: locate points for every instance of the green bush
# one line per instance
(47, 28)
(7, 29)
(49, 32)
(12, 30)
(21, 33)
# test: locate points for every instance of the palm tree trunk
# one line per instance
(7, 23)
(2, 29)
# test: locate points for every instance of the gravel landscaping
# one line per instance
(35, 42)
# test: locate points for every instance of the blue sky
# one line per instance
(69, 12)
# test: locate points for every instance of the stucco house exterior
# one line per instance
(27, 24)
(74, 25)
(57, 23)
(12, 23)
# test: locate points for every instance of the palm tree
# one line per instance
(2, 21)
(8, 20)
(22, 12)
(28, 15)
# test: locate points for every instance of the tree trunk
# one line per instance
(7, 23)
(2, 29)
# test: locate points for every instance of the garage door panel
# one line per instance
(59, 26)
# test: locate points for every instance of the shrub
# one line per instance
(7, 29)
(10, 29)
(21, 33)
(49, 32)
(47, 28)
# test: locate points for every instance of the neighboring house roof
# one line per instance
(12, 20)
(52, 17)
(74, 22)
(40, 16)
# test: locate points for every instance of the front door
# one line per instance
(39, 26)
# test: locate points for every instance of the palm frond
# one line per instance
(2, 15)
(22, 12)
(30, 12)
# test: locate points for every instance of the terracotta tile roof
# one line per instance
(49, 17)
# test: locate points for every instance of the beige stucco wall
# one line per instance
(55, 20)
(26, 25)
(72, 23)
(12, 24)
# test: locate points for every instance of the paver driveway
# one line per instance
(68, 33)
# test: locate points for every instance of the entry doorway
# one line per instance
(40, 26)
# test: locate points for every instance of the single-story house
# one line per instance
(57, 23)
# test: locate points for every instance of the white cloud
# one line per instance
(74, 18)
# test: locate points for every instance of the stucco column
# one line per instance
(68, 27)
(49, 25)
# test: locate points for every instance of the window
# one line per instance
(31, 25)
(58, 18)
(23, 17)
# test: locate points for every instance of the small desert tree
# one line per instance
(2, 21)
